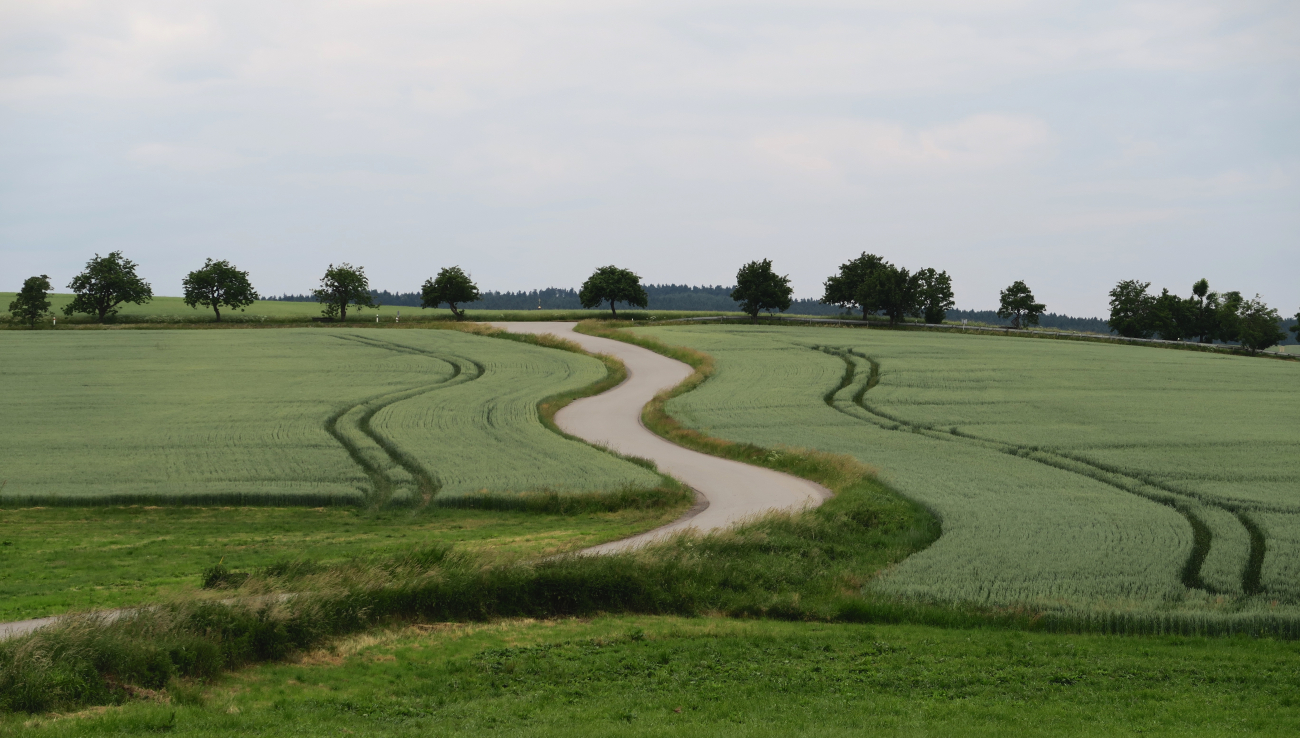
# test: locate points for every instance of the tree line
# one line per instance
(1205, 316)
(867, 283)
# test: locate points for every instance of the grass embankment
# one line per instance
(715, 677)
(56, 560)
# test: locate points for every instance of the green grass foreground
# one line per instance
(667, 676)
(56, 560)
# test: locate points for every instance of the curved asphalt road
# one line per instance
(732, 491)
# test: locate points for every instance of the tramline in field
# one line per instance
(302, 417)
(1065, 475)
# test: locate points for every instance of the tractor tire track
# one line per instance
(427, 483)
(1202, 537)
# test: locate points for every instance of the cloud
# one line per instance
(691, 136)
(181, 158)
(985, 141)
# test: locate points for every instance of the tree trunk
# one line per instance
(612, 310)
(343, 312)
(455, 313)
(217, 310)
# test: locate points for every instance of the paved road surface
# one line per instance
(734, 491)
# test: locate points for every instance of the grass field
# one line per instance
(169, 310)
(712, 677)
(301, 416)
(55, 560)
(1065, 475)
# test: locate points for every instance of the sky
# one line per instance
(1067, 144)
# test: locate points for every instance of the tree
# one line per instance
(892, 291)
(936, 295)
(451, 286)
(1294, 329)
(615, 285)
(107, 282)
(1018, 304)
(1174, 318)
(1257, 325)
(32, 302)
(217, 284)
(842, 289)
(1204, 306)
(759, 288)
(1130, 309)
(342, 285)
(1225, 318)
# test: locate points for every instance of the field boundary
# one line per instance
(994, 330)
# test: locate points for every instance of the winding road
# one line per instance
(731, 492)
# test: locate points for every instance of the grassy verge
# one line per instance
(56, 560)
(637, 675)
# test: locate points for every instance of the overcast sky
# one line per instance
(1068, 144)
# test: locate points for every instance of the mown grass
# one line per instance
(638, 675)
(56, 560)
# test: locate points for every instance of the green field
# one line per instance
(645, 676)
(168, 310)
(288, 416)
(1066, 475)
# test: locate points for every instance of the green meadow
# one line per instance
(61, 559)
(661, 676)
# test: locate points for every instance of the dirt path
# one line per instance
(734, 491)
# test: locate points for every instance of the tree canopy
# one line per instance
(107, 282)
(842, 289)
(1294, 329)
(218, 284)
(609, 283)
(1258, 325)
(452, 285)
(32, 301)
(892, 291)
(1017, 303)
(1130, 309)
(759, 288)
(936, 297)
(341, 285)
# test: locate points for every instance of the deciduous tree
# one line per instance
(343, 285)
(1130, 309)
(936, 295)
(1296, 328)
(107, 282)
(32, 301)
(615, 285)
(842, 289)
(1017, 303)
(452, 285)
(1258, 325)
(892, 291)
(218, 284)
(759, 288)
(1225, 323)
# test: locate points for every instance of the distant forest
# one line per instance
(686, 297)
